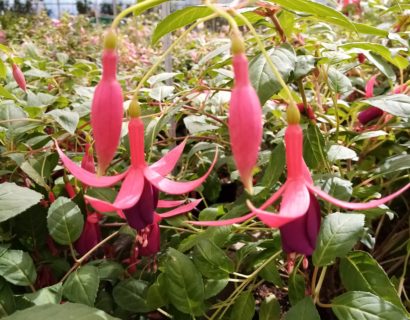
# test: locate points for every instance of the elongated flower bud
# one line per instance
(91, 234)
(245, 121)
(369, 114)
(107, 111)
(19, 77)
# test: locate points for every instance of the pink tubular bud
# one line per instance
(91, 234)
(19, 77)
(107, 112)
(245, 121)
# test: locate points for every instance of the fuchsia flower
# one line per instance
(19, 77)
(298, 216)
(372, 113)
(91, 234)
(137, 198)
(107, 107)
(245, 118)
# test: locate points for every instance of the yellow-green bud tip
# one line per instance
(134, 109)
(237, 43)
(293, 114)
(110, 40)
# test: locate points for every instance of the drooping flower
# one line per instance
(373, 113)
(298, 210)
(245, 117)
(107, 107)
(19, 77)
(91, 234)
(138, 192)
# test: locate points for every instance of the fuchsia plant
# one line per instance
(373, 113)
(245, 117)
(19, 77)
(299, 210)
(107, 107)
(138, 196)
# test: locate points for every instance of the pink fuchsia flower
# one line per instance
(107, 107)
(373, 113)
(141, 182)
(245, 117)
(19, 77)
(298, 199)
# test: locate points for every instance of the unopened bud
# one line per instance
(110, 40)
(134, 109)
(237, 43)
(293, 114)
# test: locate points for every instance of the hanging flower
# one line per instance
(245, 117)
(141, 182)
(107, 107)
(91, 235)
(19, 77)
(298, 198)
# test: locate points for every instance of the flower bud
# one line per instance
(237, 44)
(19, 77)
(110, 40)
(134, 109)
(293, 114)
(107, 112)
(245, 121)
(91, 234)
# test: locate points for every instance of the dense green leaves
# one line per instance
(64, 221)
(338, 234)
(244, 307)
(130, 295)
(15, 200)
(269, 309)
(398, 104)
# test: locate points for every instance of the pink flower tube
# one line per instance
(245, 121)
(107, 108)
(19, 77)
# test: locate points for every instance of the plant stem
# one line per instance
(268, 59)
(403, 276)
(316, 293)
(85, 256)
(142, 6)
(166, 52)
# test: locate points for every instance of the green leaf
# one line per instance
(296, 288)
(213, 287)
(380, 64)
(303, 310)
(276, 166)
(318, 10)
(269, 309)
(337, 152)
(66, 311)
(7, 303)
(360, 272)
(304, 65)
(9, 111)
(313, 147)
(185, 285)
(160, 93)
(271, 273)
(82, 285)
(196, 124)
(397, 8)
(357, 305)
(338, 82)
(67, 119)
(369, 135)
(338, 234)
(261, 75)
(156, 293)
(130, 295)
(394, 164)
(336, 187)
(46, 295)
(40, 167)
(15, 200)
(6, 94)
(3, 70)
(381, 50)
(212, 261)
(244, 307)
(64, 221)
(396, 104)
(17, 267)
(179, 19)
